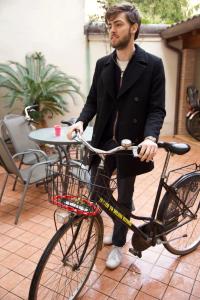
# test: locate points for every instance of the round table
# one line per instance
(62, 143)
(47, 136)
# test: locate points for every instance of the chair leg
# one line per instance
(16, 178)
(15, 182)
(3, 187)
(21, 203)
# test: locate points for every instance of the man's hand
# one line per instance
(77, 126)
(148, 150)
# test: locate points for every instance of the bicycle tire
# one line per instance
(57, 277)
(186, 238)
(193, 125)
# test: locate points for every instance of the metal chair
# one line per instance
(18, 130)
(29, 175)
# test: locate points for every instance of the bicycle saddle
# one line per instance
(173, 147)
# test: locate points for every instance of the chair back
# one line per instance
(18, 130)
(7, 161)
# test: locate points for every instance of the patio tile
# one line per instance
(116, 274)
(15, 232)
(154, 288)
(175, 294)
(10, 280)
(3, 271)
(187, 269)
(167, 262)
(196, 289)
(105, 284)
(26, 237)
(198, 276)
(22, 289)
(26, 268)
(99, 265)
(3, 292)
(123, 291)
(11, 261)
(93, 294)
(161, 274)
(13, 246)
(4, 239)
(26, 251)
(11, 296)
(3, 254)
(182, 282)
(133, 280)
(92, 279)
(143, 296)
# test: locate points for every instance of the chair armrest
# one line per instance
(31, 151)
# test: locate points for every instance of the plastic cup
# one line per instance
(57, 129)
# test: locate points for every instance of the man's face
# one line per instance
(120, 32)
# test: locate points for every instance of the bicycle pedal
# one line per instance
(135, 252)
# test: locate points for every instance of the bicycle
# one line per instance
(67, 261)
(193, 115)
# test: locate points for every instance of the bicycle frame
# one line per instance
(158, 229)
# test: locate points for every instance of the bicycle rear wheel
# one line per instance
(185, 227)
(59, 273)
(193, 125)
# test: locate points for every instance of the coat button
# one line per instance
(135, 121)
(136, 99)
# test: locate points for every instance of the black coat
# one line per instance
(141, 103)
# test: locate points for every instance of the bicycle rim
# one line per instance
(186, 235)
(193, 125)
(58, 274)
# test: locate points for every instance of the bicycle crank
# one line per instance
(166, 242)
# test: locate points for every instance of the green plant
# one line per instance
(38, 83)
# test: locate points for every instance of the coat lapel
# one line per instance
(134, 70)
(108, 76)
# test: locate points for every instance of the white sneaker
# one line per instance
(107, 240)
(114, 258)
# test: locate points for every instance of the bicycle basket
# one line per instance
(70, 188)
(187, 189)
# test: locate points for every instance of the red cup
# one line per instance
(57, 129)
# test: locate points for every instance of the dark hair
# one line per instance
(131, 12)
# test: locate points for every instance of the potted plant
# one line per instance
(38, 83)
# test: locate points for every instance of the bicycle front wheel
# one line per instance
(68, 259)
(183, 224)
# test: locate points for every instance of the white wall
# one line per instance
(155, 45)
(53, 27)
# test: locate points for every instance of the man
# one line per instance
(128, 97)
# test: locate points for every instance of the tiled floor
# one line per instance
(157, 275)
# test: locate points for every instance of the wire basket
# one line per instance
(70, 188)
(175, 174)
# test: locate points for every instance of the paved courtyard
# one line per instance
(157, 275)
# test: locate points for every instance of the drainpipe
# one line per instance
(180, 54)
(88, 65)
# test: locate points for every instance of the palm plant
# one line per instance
(38, 83)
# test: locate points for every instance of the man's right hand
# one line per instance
(77, 126)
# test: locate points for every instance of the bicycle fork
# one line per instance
(65, 260)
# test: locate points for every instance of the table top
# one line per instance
(47, 136)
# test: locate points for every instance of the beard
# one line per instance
(122, 43)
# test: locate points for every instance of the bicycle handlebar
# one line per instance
(125, 145)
